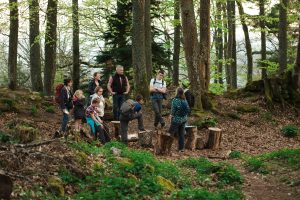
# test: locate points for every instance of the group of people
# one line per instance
(92, 111)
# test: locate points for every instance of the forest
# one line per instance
(238, 59)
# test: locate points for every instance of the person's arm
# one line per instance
(63, 97)
(164, 88)
(109, 85)
(90, 88)
(95, 119)
(128, 86)
(151, 87)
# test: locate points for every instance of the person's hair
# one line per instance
(139, 97)
(95, 74)
(119, 66)
(97, 89)
(96, 101)
(180, 93)
(67, 81)
(161, 71)
(79, 94)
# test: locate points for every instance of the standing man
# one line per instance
(119, 87)
(157, 93)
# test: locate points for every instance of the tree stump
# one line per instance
(145, 138)
(163, 143)
(214, 138)
(191, 137)
(117, 125)
(6, 186)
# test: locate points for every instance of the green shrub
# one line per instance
(290, 131)
(288, 156)
(86, 147)
(67, 176)
(229, 175)
(50, 109)
(235, 154)
(202, 194)
(230, 195)
(4, 137)
(34, 110)
(255, 164)
(206, 123)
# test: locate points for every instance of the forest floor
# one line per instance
(251, 132)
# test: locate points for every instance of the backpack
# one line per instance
(127, 106)
(58, 89)
(165, 96)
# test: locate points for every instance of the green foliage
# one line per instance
(34, 110)
(229, 175)
(287, 156)
(290, 131)
(86, 147)
(235, 154)
(206, 123)
(4, 137)
(67, 176)
(255, 164)
(216, 88)
(50, 109)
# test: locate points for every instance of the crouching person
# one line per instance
(95, 122)
(131, 110)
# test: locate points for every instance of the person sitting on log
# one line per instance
(179, 113)
(131, 110)
(95, 122)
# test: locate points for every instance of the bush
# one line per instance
(206, 123)
(50, 109)
(229, 175)
(34, 110)
(290, 131)
(255, 164)
(235, 154)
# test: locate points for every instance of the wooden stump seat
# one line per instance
(214, 138)
(163, 142)
(191, 137)
(145, 138)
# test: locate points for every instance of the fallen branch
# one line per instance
(36, 144)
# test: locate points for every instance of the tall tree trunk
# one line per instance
(138, 48)
(233, 64)
(225, 48)
(176, 53)
(229, 47)
(13, 44)
(50, 47)
(76, 64)
(35, 48)
(247, 42)
(205, 42)
(282, 35)
(219, 43)
(191, 49)
(148, 40)
(263, 38)
(297, 65)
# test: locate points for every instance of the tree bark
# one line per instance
(297, 65)
(138, 48)
(176, 53)
(191, 49)
(76, 64)
(263, 38)
(247, 42)
(229, 48)
(233, 64)
(219, 43)
(35, 48)
(205, 42)
(282, 35)
(50, 47)
(148, 40)
(13, 44)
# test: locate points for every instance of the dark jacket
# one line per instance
(91, 87)
(66, 99)
(116, 84)
(79, 111)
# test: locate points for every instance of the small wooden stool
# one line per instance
(191, 137)
(214, 138)
(145, 138)
(117, 125)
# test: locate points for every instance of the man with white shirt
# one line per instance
(158, 90)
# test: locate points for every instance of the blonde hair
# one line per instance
(79, 94)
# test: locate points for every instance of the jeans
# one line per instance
(64, 123)
(118, 100)
(178, 129)
(157, 107)
(124, 120)
(102, 135)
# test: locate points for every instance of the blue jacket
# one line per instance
(179, 110)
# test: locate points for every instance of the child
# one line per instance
(79, 113)
(99, 94)
(95, 122)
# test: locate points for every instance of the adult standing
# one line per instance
(93, 84)
(119, 87)
(179, 114)
(66, 104)
(158, 90)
